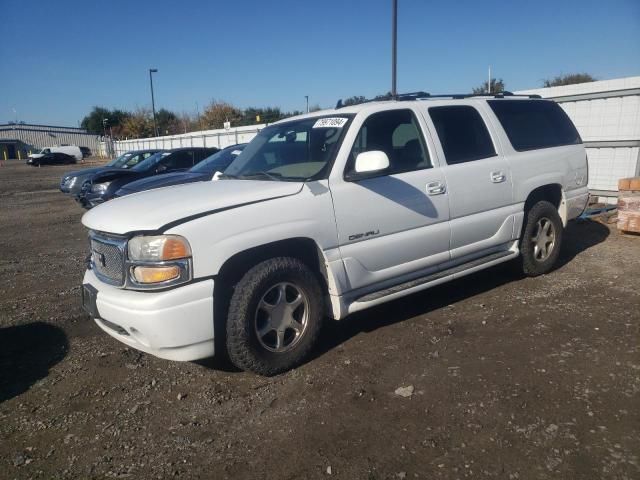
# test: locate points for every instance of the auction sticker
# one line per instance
(330, 122)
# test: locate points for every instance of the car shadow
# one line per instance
(578, 238)
(27, 352)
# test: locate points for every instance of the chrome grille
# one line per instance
(107, 258)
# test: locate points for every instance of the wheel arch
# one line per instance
(552, 193)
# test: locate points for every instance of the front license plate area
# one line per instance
(89, 297)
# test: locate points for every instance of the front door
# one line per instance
(394, 224)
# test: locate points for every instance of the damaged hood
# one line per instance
(150, 210)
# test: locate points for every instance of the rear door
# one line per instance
(477, 177)
(395, 224)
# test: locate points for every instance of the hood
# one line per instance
(164, 180)
(153, 209)
(106, 173)
(86, 171)
(36, 155)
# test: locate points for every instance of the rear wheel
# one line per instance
(541, 239)
(274, 317)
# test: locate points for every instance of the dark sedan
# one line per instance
(104, 185)
(51, 158)
(71, 182)
(203, 171)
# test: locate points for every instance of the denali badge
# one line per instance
(370, 233)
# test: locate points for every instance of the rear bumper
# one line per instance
(176, 324)
(576, 201)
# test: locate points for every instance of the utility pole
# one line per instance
(489, 82)
(104, 130)
(307, 98)
(153, 103)
(394, 49)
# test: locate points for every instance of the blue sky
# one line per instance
(58, 58)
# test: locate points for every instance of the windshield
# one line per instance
(150, 162)
(297, 150)
(119, 161)
(219, 161)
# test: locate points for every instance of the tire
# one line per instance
(274, 318)
(541, 239)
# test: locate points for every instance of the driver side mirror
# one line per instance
(161, 168)
(371, 162)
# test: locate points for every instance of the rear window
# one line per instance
(463, 135)
(533, 124)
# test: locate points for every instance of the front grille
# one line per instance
(107, 258)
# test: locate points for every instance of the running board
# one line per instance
(422, 283)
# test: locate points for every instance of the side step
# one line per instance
(422, 283)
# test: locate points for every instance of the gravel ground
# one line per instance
(491, 376)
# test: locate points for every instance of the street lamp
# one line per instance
(153, 103)
(394, 48)
(307, 97)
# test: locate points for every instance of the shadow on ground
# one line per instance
(578, 237)
(27, 352)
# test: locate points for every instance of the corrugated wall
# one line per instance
(41, 136)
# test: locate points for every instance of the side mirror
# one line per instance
(161, 168)
(370, 162)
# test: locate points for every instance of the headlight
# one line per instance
(158, 248)
(100, 187)
(158, 261)
(69, 181)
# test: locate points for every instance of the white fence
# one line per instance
(207, 138)
(607, 115)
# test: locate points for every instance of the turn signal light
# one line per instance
(174, 248)
(155, 274)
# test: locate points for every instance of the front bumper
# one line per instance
(175, 324)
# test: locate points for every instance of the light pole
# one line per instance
(394, 48)
(307, 98)
(153, 103)
(104, 130)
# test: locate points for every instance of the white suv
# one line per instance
(329, 213)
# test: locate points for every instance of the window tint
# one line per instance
(463, 135)
(180, 159)
(397, 134)
(532, 124)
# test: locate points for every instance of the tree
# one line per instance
(168, 122)
(218, 112)
(497, 85)
(138, 124)
(93, 122)
(354, 100)
(568, 79)
(267, 115)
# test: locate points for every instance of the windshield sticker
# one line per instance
(330, 122)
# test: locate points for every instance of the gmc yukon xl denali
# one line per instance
(329, 213)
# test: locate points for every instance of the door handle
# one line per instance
(436, 188)
(498, 177)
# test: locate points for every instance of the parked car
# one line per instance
(86, 152)
(70, 150)
(52, 158)
(104, 185)
(72, 182)
(330, 213)
(218, 162)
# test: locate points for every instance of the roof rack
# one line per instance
(424, 95)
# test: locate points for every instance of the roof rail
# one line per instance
(424, 95)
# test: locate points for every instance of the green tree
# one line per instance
(568, 79)
(138, 124)
(355, 100)
(93, 121)
(168, 122)
(497, 85)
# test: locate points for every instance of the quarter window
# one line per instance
(533, 124)
(463, 134)
(396, 133)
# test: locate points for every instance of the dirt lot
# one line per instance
(513, 378)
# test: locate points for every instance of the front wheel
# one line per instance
(541, 239)
(274, 317)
